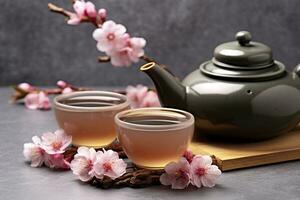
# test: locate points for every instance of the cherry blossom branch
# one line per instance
(94, 18)
(21, 91)
(56, 9)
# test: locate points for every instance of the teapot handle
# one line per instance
(297, 70)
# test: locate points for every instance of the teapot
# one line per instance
(241, 93)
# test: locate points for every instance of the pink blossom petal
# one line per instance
(36, 140)
(88, 153)
(108, 25)
(172, 168)
(33, 153)
(207, 182)
(139, 96)
(111, 40)
(203, 173)
(188, 155)
(181, 182)
(61, 84)
(26, 87)
(108, 164)
(79, 7)
(82, 168)
(67, 90)
(55, 143)
(56, 161)
(202, 160)
(196, 181)
(150, 100)
(138, 42)
(74, 19)
(165, 179)
(83, 163)
(43, 101)
(177, 174)
(120, 59)
(102, 14)
(90, 9)
(32, 101)
(119, 29)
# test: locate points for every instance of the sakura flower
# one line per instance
(188, 155)
(139, 97)
(109, 36)
(177, 174)
(61, 84)
(136, 94)
(150, 100)
(203, 173)
(67, 90)
(109, 164)
(37, 101)
(56, 161)
(90, 10)
(102, 14)
(57, 142)
(83, 163)
(26, 87)
(82, 10)
(33, 152)
(129, 53)
(136, 44)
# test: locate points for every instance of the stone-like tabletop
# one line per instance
(19, 181)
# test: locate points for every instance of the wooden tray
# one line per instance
(235, 156)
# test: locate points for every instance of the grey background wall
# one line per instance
(39, 47)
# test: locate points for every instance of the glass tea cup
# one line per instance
(153, 137)
(88, 116)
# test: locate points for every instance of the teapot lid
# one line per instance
(243, 59)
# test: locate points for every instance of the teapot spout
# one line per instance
(170, 91)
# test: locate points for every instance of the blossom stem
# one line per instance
(59, 10)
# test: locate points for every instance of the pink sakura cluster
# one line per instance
(88, 163)
(86, 10)
(48, 150)
(66, 88)
(197, 170)
(39, 99)
(122, 49)
(140, 96)
(111, 38)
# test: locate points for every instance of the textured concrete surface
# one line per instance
(19, 181)
(37, 46)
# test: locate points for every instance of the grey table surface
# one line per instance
(19, 181)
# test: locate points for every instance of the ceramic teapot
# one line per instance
(241, 93)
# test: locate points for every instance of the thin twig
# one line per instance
(54, 8)
(147, 58)
(59, 10)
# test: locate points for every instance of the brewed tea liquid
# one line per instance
(154, 149)
(92, 129)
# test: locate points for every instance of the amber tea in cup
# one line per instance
(88, 116)
(153, 137)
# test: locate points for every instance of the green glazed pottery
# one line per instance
(241, 93)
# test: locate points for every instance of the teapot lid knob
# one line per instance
(243, 37)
